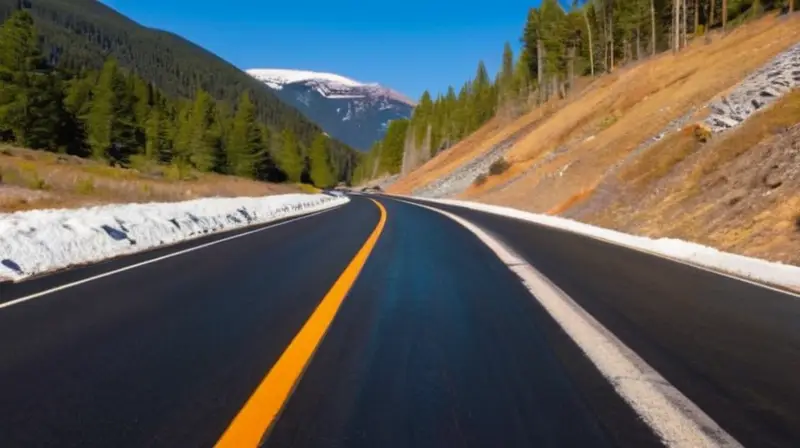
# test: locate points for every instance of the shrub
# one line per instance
(702, 133)
(480, 180)
(607, 121)
(499, 166)
(37, 183)
(306, 188)
(85, 186)
(175, 171)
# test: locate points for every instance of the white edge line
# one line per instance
(154, 260)
(718, 271)
(671, 415)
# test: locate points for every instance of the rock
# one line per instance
(735, 196)
(773, 179)
(724, 121)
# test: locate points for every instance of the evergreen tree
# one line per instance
(391, 159)
(31, 103)
(266, 169)
(182, 135)
(506, 88)
(157, 133)
(100, 120)
(321, 173)
(289, 159)
(246, 143)
(204, 132)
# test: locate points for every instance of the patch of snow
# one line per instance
(37, 241)
(753, 268)
(344, 97)
(282, 76)
(329, 85)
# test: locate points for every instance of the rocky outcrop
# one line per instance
(758, 90)
(460, 179)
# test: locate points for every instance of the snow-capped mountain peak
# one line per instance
(277, 78)
(329, 85)
(354, 112)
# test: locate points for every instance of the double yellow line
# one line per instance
(262, 408)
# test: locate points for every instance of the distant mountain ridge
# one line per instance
(353, 112)
(81, 34)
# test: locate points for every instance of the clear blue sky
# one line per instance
(409, 45)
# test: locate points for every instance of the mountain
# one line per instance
(81, 34)
(350, 111)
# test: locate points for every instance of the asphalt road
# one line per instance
(437, 343)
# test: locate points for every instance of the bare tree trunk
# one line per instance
(685, 25)
(605, 45)
(652, 28)
(570, 68)
(710, 15)
(676, 26)
(638, 42)
(724, 14)
(591, 45)
(426, 150)
(791, 6)
(410, 154)
(540, 69)
(611, 28)
(696, 16)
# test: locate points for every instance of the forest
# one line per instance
(558, 45)
(82, 42)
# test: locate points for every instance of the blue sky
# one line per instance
(409, 45)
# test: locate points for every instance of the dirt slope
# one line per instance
(594, 157)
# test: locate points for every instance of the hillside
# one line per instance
(353, 112)
(80, 34)
(700, 145)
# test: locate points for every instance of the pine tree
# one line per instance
(204, 133)
(266, 169)
(99, 121)
(392, 147)
(505, 81)
(246, 142)
(156, 133)
(321, 173)
(31, 100)
(289, 159)
(182, 136)
(126, 136)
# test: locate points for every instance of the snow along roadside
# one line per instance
(38, 241)
(708, 257)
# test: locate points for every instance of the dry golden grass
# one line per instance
(38, 179)
(492, 133)
(623, 109)
(739, 192)
(658, 160)
(772, 121)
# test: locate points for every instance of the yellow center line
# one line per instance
(262, 408)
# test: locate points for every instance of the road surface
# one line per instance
(384, 325)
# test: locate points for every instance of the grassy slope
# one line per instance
(38, 179)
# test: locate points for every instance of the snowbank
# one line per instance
(752, 268)
(38, 241)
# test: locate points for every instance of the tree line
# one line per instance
(82, 34)
(558, 44)
(115, 116)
